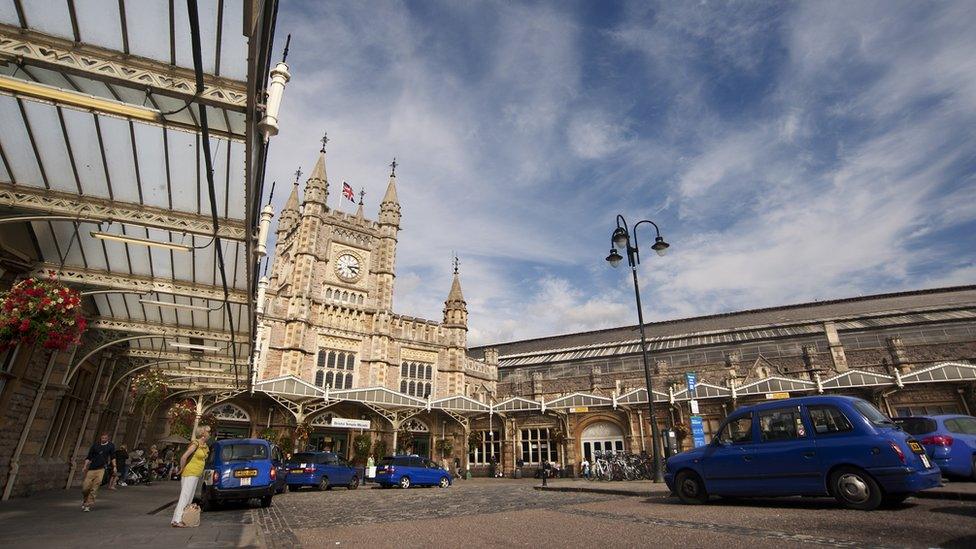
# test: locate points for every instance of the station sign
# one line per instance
(579, 409)
(697, 431)
(345, 423)
(691, 378)
(777, 396)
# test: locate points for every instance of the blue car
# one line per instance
(811, 446)
(322, 470)
(407, 471)
(950, 440)
(241, 469)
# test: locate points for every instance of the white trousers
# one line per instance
(188, 487)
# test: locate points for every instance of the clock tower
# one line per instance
(329, 316)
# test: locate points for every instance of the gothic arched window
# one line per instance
(329, 380)
(338, 367)
(417, 374)
(320, 378)
(332, 359)
(429, 371)
(403, 370)
(403, 386)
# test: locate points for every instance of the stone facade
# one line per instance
(883, 334)
(329, 310)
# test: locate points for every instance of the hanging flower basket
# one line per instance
(302, 431)
(182, 413)
(147, 383)
(41, 310)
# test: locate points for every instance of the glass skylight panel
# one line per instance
(48, 17)
(99, 23)
(87, 152)
(50, 145)
(14, 138)
(233, 49)
(148, 26)
(121, 166)
(152, 163)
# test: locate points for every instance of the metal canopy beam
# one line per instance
(36, 199)
(170, 355)
(42, 50)
(138, 284)
(104, 323)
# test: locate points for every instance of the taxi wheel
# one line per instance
(404, 482)
(324, 483)
(266, 501)
(855, 489)
(444, 483)
(354, 483)
(690, 488)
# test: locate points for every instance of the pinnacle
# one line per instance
(455, 293)
(391, 194)
(318, 172)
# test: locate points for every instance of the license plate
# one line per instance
(925, 461)
(246, 481)
(245, 473)
(916, 447)
(297, 471)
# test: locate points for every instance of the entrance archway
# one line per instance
(232, 421)
(420, 439)
(601, 436)
(325, 438)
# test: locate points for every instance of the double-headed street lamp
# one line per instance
(621, 238)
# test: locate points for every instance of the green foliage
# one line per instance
(181, 429)
(379, 449)
(404, 441)
(286, 444)
(360, 448)
(444, 447)
(474, 440)
(269, 434)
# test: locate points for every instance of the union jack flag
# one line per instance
(347, 191)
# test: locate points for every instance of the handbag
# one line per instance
(191, 515)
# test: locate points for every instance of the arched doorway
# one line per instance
(326, 438)
(420, 437)
(232, 421)
(601, 436)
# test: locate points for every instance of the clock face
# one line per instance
(348, 267)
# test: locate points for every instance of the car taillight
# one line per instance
(274, 473)
(937, 440)
(901, 455)
(310, 469)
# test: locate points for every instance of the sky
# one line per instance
(788, 151)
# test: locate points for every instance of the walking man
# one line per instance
(101, 455)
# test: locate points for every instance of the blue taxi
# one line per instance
(814, 446)
(240, 469)
(407, 471)
(322, 470)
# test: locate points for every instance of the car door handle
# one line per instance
(809, 454)
(747, 458)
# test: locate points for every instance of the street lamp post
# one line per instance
(621, 238)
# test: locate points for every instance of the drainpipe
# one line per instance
(84, 422)
(15, 460)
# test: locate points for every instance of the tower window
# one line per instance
(415, 379)
(334, 369)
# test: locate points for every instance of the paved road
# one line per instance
(483, 513)
(501, 513)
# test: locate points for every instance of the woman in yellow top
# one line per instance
(191, 471)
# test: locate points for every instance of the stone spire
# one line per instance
(289, 214)
(455, 308)
(390, 206)
(359, 211)
(317, 186)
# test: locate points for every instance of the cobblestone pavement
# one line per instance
(501, 513)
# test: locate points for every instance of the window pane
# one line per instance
(332, 359)
(828, 419)
(782, 424)
(403, 386)
(738, 431)
(403, 370)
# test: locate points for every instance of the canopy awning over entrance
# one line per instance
(127, 182)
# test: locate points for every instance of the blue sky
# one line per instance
(789, 151)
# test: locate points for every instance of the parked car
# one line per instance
(407, 471)
(950, 440)
(321, 470)
(813, 446)
(242, 469)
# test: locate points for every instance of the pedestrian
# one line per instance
(586, 468)
(457, 467)
(101, 455)
(121, 465)
(191, 470)
(545, 473)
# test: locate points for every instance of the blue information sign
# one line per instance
(697, 431)
(692, 379)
